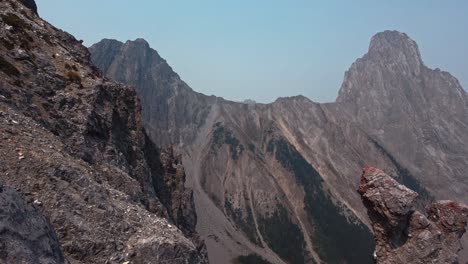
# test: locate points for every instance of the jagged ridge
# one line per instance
(392, 111)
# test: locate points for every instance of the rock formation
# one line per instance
(288, 162)
(405, 235)
(31, 4)
(73, 142)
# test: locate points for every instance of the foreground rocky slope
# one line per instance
(405, 235)
(72, 142)
(292, 163)
(27, 236)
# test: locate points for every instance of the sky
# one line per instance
(264, 49)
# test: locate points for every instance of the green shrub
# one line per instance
(334, 236)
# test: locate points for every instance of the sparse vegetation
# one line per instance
(15, 21)
(8, 68)
(222, 136)
(283, 236)
(19, 26)
(334, 235)
(250, 259)
(46, 38)
(246, 224)
(251, 147)
(74, 76)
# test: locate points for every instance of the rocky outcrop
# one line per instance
(405, 235)
(172, 192)
(74, 141)
(31, 4)
(26, 236)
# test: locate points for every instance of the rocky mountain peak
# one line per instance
(391, 64)
(138, 46)
(394, 47)
(140, 41)
(137, 51)
(110, 42)
(392, 80)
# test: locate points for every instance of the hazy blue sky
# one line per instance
(263, 49)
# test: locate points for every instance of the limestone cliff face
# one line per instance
(167, 102)
(405, 235)
(417, 114)
(293, 163)
(74, 142)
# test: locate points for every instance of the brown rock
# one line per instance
(404, 235)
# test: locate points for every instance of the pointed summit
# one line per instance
(140, 42)
(104, 51)
(394, 40)
(393, 47)
(392, 65)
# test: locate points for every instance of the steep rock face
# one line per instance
(255, 166)
(74, 141)
(27, 236)
(172, 192)
(405, 235)
(167, 101)
(419, 115)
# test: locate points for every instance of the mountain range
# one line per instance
(108, 156)
(293, 163)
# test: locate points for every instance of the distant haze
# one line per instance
(263, 49)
